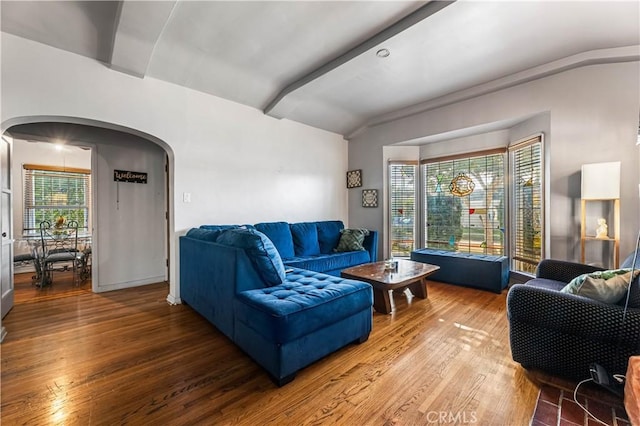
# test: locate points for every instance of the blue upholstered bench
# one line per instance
(468, 269)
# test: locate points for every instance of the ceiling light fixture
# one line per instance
(383, 53)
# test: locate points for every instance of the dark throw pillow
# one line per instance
(351, 240)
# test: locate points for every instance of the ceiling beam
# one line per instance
(408, 21)
(138, 28)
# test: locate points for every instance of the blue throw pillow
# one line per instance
(305, 238)
(263, 254)
(280, 235)
(203, 234)
(329, 234)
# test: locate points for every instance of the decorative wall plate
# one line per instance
(369, 198)
(354, 178)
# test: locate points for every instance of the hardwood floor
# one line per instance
(25, 291)
(127, 357)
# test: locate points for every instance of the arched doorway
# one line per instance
(125, 243)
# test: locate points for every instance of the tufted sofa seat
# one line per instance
(283, 326)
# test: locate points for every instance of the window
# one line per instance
(51, 192)
(402, 207)
(527, 207)
(464, 203)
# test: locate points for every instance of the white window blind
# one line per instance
(52, 192)
(527, 166)
(474, 222)
(402, 207)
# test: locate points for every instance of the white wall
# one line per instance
(238, 164)
(592, 116)
(130, 221)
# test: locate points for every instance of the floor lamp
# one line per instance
(601, 183)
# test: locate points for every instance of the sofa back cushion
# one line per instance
(203, 234)
(634, 287)
(216, 230)
(329, 234)
(280, 235)
(263, 254)
(305, 238)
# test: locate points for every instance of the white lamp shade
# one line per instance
(601, 181)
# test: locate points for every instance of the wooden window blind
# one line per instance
(51, 192)
(528, 210)
(402, 207)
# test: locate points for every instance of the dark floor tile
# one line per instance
(572, 412)
(564, 422)
(549, 394)
(600, 410)
(546, 413)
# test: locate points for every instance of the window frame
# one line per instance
(464, 156)
(30, 172)
(390, 199)
(513, 148)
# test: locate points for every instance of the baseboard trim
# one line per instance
(128, 284)
(172, 300)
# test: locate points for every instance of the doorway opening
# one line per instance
(130, 222)
(53, 219)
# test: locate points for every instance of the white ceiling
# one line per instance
(315, 62)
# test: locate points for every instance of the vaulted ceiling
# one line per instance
(317, 62)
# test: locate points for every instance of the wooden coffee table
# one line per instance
(409, 274)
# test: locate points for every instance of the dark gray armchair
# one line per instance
(563, 334)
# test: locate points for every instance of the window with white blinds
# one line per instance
(52, 192)
(464, 202)
(402, 207)
(527, 205)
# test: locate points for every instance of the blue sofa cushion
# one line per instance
(329, 262)
(305, 302)
(204, 234)
(305, 238)
(263, 254)
(216, 230)
(329, 235)
(280, 235)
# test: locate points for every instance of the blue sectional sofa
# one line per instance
(283, 316)
(310, 245)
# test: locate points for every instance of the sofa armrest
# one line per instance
(560, 270)
(573, 315)
(370, 244)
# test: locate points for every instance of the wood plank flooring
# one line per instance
(127, 357)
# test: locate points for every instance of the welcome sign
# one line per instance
(128, 176)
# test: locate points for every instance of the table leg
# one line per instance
(419, 288)
(381, 301)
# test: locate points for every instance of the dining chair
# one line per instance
(59, 246)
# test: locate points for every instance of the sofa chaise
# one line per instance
(284, 317)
